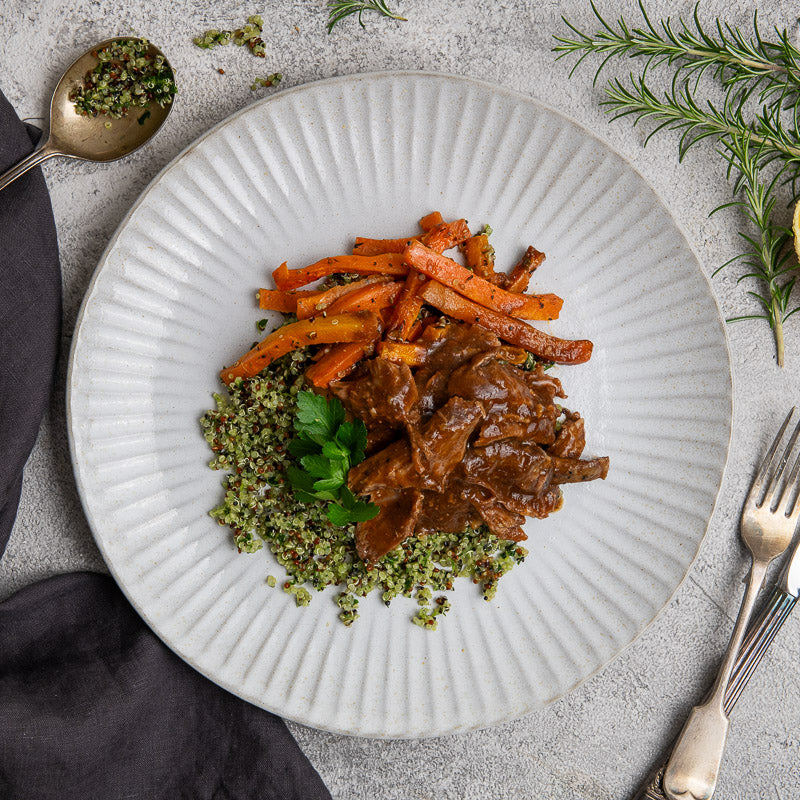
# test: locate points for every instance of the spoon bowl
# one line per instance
(74, 135)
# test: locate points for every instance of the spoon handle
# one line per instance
(36, 157)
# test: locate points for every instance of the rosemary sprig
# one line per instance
(339, 9)
(761, 148)
(731, 57)
(768, 257)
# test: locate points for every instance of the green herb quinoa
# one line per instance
(127, 76)
(249, 432)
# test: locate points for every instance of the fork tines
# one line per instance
(771, 482)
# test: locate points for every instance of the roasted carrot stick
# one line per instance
(360, 326)
(407, 308)
(412, 354)
(452, 274)
(368, 298)
(430, 221)
(389, 264)
(336, 363)
(562, 351)
(321, 301)
(520, 276)
(479, 256)
(276, 300)
(376, 247)
(447, 235)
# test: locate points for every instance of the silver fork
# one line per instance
(693, 767)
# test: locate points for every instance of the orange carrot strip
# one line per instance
(276, 300)
(360, 326)
(389, 264)
(448, 272)
(520, 276)
(320, 301)
(376, 247)
(541, 344)
(479, 256)
(447, 235)
(407, 308)
(430, 221)
(336, 363)
(412, 354)
(368, 298)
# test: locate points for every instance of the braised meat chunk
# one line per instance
(469, 439)
(384, 396)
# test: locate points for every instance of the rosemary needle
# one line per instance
(340, 9)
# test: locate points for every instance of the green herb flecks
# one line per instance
(249, 34)
(249, 433)
(326, 447)
(756, 127)
(127, 76)
(340, 9)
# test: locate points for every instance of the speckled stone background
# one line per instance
(600, 740)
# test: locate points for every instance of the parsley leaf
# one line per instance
(351, 509)
(353, 436)
(317, 418)
(326, 447)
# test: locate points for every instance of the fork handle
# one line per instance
(757, 641)
(693, 767)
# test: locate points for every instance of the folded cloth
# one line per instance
(30, 312)
(92, 704)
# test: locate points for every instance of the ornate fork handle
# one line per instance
(757, 640)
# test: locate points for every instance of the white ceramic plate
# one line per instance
(296, 177)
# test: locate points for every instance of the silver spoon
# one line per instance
(87, 138)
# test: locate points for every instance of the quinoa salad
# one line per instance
(248, 432)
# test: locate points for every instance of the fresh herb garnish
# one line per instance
(339, 9)
(759, 140)
(327, 446)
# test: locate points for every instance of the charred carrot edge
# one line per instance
(315, 302)
(412, 354)
(447, 235)
(430, 221)
(276, 300)
(562, 351)
(376, 247)
(368, 298)
(336, 363)
(388, 264)
(479, 256)
(359, 326)
(448, 272)
(520, 276)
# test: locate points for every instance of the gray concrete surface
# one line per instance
(601, 739)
